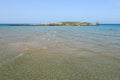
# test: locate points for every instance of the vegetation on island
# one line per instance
(67, 23)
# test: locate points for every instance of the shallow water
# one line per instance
(60, 53)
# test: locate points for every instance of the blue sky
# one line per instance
(42, 11)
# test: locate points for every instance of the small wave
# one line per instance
(10, 60)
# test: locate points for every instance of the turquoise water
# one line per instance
(60, 53)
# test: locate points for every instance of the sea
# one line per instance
(60, 52)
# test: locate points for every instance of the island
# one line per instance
(66, 23)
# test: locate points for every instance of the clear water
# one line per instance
(60, 53)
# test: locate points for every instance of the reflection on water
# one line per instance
(60, 53)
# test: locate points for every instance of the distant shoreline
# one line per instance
(67, 23)
(25, 24)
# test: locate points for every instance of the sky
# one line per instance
(43, 11)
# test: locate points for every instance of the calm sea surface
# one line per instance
(60, 53)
